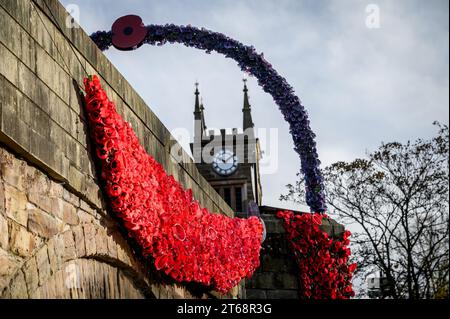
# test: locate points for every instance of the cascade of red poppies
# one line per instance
(322, 262)
(187, 242)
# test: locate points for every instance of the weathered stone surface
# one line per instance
(70, 214)
(21, 242)
(285, 281)
(53, 257)
(16, 205)
(4, 233)
(71, 198)
(12, 173)
(69, 246)
(2, 199)
(89, 238)
(56, 190)
(42, 224)
(8, 64)
(79, 241)
(18, 287)
(282, 294)
(256, 294)
(112, 246)
(85, 217)
(31, 275)
(101, 242)
(57, 204)
(43, 265)
(40, 200)
(332, 228)
(8, 265)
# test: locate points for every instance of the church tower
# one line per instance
(229, 158)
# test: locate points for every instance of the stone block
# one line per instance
(285, 281)
(256, 294)
(30, 270)
(85, 217)
(4, 233)
(41, 122)
(7, 28)
(111, 280)
(29, 83)
(40, 200)
(101, 242)
(265, 280)
(28, 50)
(70, 214)
(43, 224)
(57, 206)
(12, 173)
(112, 246)
(282, 294)
(79, 241)
(8, 65)
(276, 263)
(2, 199)
(60, 112)
(332, 228)
(76, 178)
(273, 225)
(43, 264)
(89, 238)
(18, 288)
(14, 128)
(123, 253)
(20, 10)
(21, 241)
(56, 189)
(53, 257)
(15, 205)
(71, 198)
(8, 265)
(25, 107)
(69, 246)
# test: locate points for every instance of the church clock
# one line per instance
(225, 162)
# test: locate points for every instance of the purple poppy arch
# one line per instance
(250, 62)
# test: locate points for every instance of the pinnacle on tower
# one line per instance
(248, 122)
(199, 118)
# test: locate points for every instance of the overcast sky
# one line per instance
(360, 85)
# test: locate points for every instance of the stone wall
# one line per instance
(53, 219)
(277, 277)
(55, 245)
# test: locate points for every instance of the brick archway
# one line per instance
(81, 262)
(53, 244)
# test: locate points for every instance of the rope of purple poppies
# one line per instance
(254, 64)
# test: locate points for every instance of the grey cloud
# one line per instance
(360, 86)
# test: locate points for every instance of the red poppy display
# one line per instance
(324, 272)
(187, 242)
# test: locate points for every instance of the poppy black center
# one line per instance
(128, 30)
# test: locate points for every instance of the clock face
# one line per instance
(225, 162)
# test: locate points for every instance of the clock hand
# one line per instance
(226, 161)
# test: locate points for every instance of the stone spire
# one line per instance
(202, 109)
(248, 122)
(199, 118)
